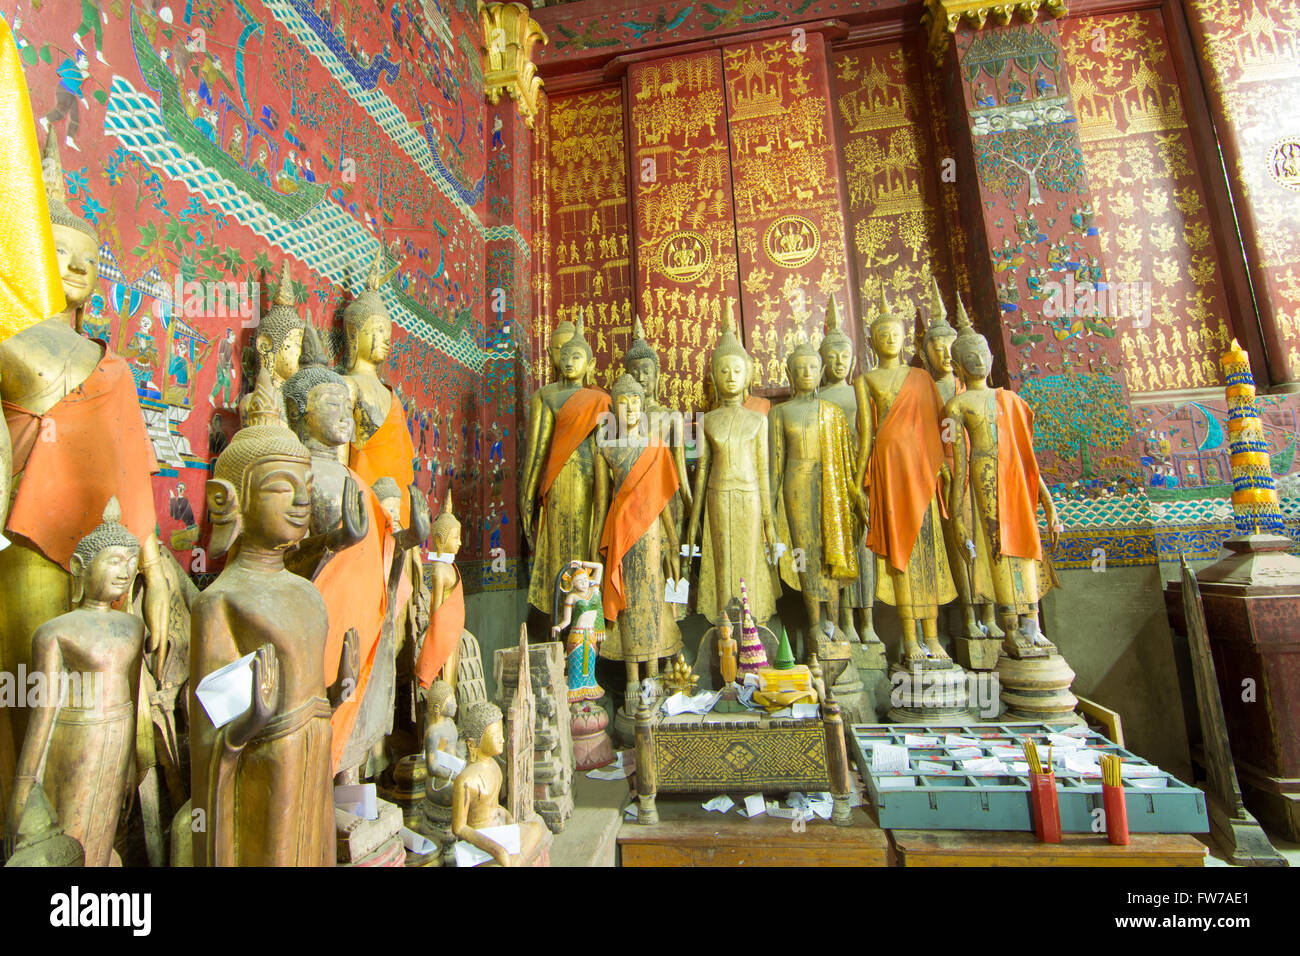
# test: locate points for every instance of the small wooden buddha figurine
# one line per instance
(733, 499)
(263, 781)
(634, 533)
(559, 471)
(382, 445)
(80, 744)
(936, 340)
(440, 737)
(476, 793)
(727, 652)
(1007, 489)
(859, 595)
(812, 482)
(440, 652)
(278, 342)
(900, 458)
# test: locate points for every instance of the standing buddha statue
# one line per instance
(900, 458)
(1007, 489)
(440, 652)
(559, 470)
(642, 363)
(733, 498)
(837, 365)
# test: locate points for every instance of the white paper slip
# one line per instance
(4, 542)
(677, 592)
(983, 765)
(932, 766)
(966, 753)
(1083, 763)
(783, 712)
(507, 836)
(1139, 770)
(629, 811)
(956, 740)
(754, 806)
(1077, 731)
(448, 762)
(778, 812)
(721, 803)
(888, 758)
(681, 703)
(895, 783)
(228, 691)
(1064, 742)
(1149, 783)
(821, 804)
(361, 795)
(1020, 766)
(920, 740)
(746, 696)
(857, 798)
(804, 711)
(611, 771)
(1008, 753)
(416, 843)
(750, 680)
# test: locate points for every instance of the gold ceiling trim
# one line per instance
(941, 18)
(509, 35)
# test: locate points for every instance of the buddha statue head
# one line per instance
(836, 347)
(319, 406)
(804, 366)
(629, 400)
(445, 530)
(887, 331)
(970, 352)
(576, 359)
(105, 562)
(390, 498)
(76, 241)
(642, 362)
(366, 322)
(260, 492)
(440, 700)
(279, 338)
(939, 335)
(563, 332)
(731, 365)
(483, 730)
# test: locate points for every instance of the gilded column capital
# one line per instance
(509, 35)
(940, 18)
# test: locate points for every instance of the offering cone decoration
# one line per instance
(752, 657)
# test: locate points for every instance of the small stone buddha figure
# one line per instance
(642, 363)
(264, 781)
(732, 499)
(440, 737)
(278, 343)
(440, 652)
(476, 793)
(382, 445)
(634, 533)
(54, 382)
(812, 482)
(900, 458)
(1007, 489)
(836, 350)
(559, 470)
(936, 340)
(80, 743)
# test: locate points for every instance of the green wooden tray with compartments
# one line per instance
(942, 790)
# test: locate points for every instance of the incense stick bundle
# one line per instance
(1110, 770)
(1031, 755)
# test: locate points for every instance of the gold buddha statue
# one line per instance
(1006, 488)
(264, 781)
(55, 382)
(812, 482)
(80, 744)
(439, 653)
(733, 499)
(559, 469)
(382, 445)
(634, 534)
(859, 595)
(410, 605)
(642, 363)
(278, 342)
(900, 461)
(475, 801)
(969, 576)
(440, 737)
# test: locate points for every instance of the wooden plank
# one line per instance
(1006, 848)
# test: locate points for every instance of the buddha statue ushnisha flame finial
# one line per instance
(284, 288)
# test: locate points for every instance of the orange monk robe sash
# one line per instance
(387, 452)
(446, 622)
(757, 403)
(576, 419)
(903, 475)
(354, 584)
(641, 498)
(1017, 479)
(838, 547)
(90, 446)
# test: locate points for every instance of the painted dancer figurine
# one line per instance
(579, 584)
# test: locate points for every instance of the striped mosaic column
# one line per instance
(1254, 492)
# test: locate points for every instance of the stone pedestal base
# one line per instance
(840, 673)
(977, 653)
(1037, 689)
(591, 744)
(403, 783)
(921, 695)
(872, 665)
(624, 730)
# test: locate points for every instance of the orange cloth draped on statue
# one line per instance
(903, 475)
(90, 446)
(387, 452)
(446, 622)
(576, 419)
(354, 584)
(757, 403)
(1017, 479)
(641, 498)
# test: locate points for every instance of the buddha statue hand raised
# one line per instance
(266, 692)
(341, 691)
(355, 520)
(417, 532)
